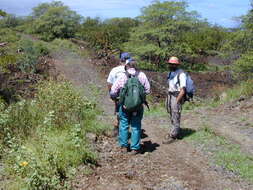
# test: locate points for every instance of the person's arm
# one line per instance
(115, 89)
(182, 83)
(181, 95)
(110, 80)
(109, 85)
(144, 81)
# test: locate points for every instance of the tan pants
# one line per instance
(174, 109)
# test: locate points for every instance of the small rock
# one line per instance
(242, 98)
(223, 96)
(92, 137)
(130, 175)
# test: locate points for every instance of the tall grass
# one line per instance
(245, 88)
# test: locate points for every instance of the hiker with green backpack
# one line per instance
(181, 89)
(114, 74)
(131, 89)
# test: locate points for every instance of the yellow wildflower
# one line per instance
(24, 164)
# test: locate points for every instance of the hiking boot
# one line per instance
(123, 149)
(168, 139)
(135, 152)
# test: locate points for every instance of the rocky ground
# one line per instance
(176, 166)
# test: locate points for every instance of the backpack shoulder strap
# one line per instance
(178, 74)
(137, 74)
(169, 74)
(128, 75)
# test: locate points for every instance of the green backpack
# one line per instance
(132, 95)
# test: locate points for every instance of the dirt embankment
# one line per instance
(208, 84)
(15, 83)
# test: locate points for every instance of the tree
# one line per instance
(106, 35)
(53, 20)
(42, 8)
(120, 30)
(10, 21)
(205, 39)
(124, 23)
(243, 67)
(241, 39)
(2, 13)
(160, 32)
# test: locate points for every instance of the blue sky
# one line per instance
(216, 11)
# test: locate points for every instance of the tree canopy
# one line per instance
(2, 13)
(54, 20)
(161, 29)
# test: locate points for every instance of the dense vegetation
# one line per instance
(42, 137)
(41, 145)
(163, 29)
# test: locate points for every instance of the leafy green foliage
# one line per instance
(2, 13)
(31, 52)
(8, 35)
(108, 35)
(44, 139)
(237, 43)
(240, 40)
(205, 39)
(247, 19)
(54, 20)
(243, 67)
(7, 53)
(27, 115)
(161, 30)
(20, 51)
(42, 8)
(10, 21)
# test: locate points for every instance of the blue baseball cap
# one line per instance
(125, 56)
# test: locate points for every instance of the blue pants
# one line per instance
(133, 119)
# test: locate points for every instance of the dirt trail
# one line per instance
(177, 166)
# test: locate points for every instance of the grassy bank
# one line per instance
(44, 140)
(223, 152)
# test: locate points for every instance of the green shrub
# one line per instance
(56, 105)
(243, 68)
(64, 101)
(62, 45)
(31, 51)
(28, 60)
(9, 21)
(245, 88)
(44, 139)
(54, 20)
(8, 35)
(45, 161)
(5, 61)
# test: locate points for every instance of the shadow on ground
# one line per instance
(143, 134)
(186, 132)
(148, 146)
